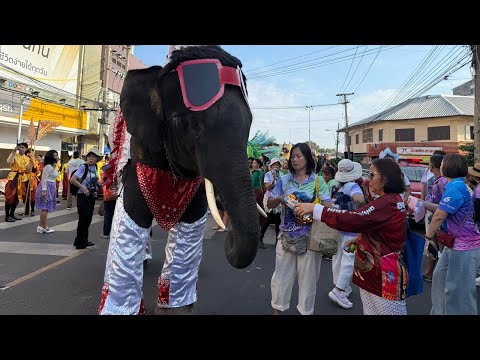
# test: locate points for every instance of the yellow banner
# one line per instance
(68, 117)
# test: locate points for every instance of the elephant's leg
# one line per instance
(177, 283)
(122, 291)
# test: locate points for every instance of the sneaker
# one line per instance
(69, 207)
(10, 219)
(49, 230)
(105, 236)
(477, 281)
(340, 297)
(348, 290)
(40, 230)
(90, 244)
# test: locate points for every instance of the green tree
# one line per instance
(468, 153)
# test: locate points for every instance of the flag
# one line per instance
(31, 132)
(45, 126)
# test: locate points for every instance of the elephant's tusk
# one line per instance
(212, 203)
(260, 210)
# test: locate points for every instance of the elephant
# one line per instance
(187, 125)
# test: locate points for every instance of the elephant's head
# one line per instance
(209, 142)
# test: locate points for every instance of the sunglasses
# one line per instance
(203, 82)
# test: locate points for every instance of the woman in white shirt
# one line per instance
(46, 198)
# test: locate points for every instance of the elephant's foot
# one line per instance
(182, 310)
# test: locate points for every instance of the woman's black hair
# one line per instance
(307, 154)
(392, 175)
(259, 162)
(454, 166)
(49, 159)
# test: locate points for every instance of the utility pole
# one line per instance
(309, 108)
(106, 64)
(347, 134)
(476, 101)
(337, 140)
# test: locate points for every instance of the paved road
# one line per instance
(45, 274)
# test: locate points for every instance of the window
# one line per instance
(349, 140)
(357, 138)
(380, 135)
(404, 134)
(367, 136)
(469, 132)
(438, 133)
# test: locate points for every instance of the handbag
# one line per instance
(447, 239)
(323, 239)
(294, 244)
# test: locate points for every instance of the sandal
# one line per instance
(215, 227)
(427, 278)
(222, 230)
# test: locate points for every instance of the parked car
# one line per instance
(3, 180)
(414, 173)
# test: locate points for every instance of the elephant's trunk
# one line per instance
(234, 186)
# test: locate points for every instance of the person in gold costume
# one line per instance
(16, 187)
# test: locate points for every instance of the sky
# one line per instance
(292, 88)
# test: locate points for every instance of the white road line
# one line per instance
(37, 248)
(72, 225)
(36, 218)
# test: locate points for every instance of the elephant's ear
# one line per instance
(142, 106)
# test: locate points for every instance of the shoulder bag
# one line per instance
(447, 239)
(322, 237)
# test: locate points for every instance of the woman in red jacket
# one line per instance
(379, 268)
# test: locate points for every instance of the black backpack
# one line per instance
(74, 188)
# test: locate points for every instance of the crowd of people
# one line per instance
(295, 192)
(35, 181)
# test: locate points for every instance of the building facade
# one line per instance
(39, 82)
(415, 128)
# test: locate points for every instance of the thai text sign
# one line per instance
(56, 65)
(417, 150)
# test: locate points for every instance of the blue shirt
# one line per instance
(457, 202)
(305, 192)
(90, 180)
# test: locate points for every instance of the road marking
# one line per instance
(42, 270)
(36, 218)
(72, 225)
(36, 248)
